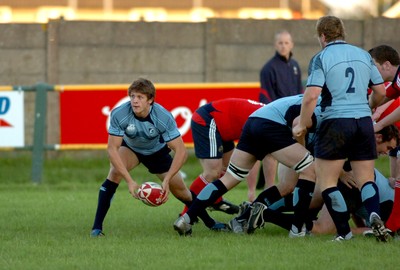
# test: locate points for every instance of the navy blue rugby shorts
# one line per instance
(157, 163)
(343, 138)
(262, 136)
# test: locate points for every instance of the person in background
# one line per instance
(142, 131)
(279, 77)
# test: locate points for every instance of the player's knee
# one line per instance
(238, 173)
(210, 176)
(305, 162)
(114, 176)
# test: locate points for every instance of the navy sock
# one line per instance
(202, 213)
(370, 197)
(337, 208)
(283, 205)
(106, 194)
(269, 196)
(312, 215)
(208, 195)
(281, 219)
(301, 202)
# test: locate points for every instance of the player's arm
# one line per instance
(390, 119)
(308, 105)
(180, 156)
(377, 96)
(114, 143)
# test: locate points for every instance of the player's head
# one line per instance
(383, 53)
(387, 60)
(143, 86)
(387, 139)
(331, 28)
(284, 43)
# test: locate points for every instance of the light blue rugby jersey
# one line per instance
(386, 192)
(283, 110)
(344, 72)
(148, 135)
(279, 110)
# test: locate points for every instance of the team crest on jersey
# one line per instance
(152, 131)
(130, 130)
(295, 71)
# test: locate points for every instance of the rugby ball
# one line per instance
(150, 193)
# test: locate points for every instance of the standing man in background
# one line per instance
(279, 77)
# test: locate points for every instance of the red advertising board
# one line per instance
(84, 110)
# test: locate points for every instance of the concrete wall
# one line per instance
(76, 52)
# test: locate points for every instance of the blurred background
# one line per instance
(16, 11)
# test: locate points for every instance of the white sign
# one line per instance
(12, 119)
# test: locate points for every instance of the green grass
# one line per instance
(47, 226)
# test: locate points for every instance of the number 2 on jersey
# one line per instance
(350, 72)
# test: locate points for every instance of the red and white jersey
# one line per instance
(394, 90)
(387, 108)
(229, 115)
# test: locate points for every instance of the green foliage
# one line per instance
(47, 226)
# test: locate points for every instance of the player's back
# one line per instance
(344, 72)
(282, 110)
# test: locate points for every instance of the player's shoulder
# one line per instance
(122, 109)
(159, 112)
(157, 107)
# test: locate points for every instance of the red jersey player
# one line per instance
(215, 128)
(387, 61)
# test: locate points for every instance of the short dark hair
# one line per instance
(390, 132)
(383, 53)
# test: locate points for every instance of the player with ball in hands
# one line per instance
(142, 131)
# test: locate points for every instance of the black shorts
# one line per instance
(157, 163)
(261, 137)
(343, 138)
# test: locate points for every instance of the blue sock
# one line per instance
(208, 195)
(370, 197)
(202, 213)
(337, 208)
(106, 194)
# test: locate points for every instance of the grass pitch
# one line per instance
(47, 226)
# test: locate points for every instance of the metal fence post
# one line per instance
(39, 130)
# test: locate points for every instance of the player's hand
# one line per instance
(165, 191)
(377, 127)
(133, 187)
(347, 178)
(299, 131)
(392, 182)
